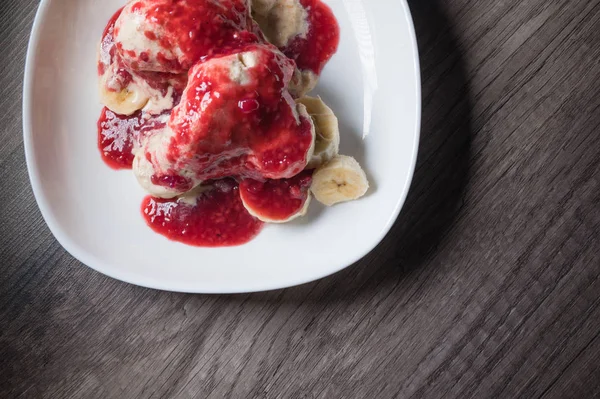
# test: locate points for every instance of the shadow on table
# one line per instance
(441, 175)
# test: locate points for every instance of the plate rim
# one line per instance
(99, 266)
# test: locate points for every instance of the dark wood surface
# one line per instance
(487, 286)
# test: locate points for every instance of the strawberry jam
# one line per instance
(118, 135)
(109, 61)
(276, 200)
(232, 118)
(181, 32)
(321, 42)
(224, 128)
(217, 219)
(107, 45)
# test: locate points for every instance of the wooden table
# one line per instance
(487, 287)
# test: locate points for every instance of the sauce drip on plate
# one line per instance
(216, 219)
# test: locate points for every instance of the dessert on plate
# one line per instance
(206, 101)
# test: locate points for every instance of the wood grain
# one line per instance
(486, 287)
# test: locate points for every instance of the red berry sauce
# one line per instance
(107, 44)
(222, 128)
(241, 133)
(193, 29)
(218, 219)
(118, 135)
(321, 41)
(276, 200)
(110, 61)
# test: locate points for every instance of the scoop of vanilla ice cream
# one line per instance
(168, 36)
(209, 133)
(154, 147)
(132, 41)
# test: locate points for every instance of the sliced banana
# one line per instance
(263, 218)
(278, 200)
(327, 142)
(125, 101)
(341, 179)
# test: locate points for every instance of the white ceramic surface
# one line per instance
(372, 84)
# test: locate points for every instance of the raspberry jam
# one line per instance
(222, 128)
(321, 42)
(222, 131)
(218, 218)
(276, 200)
(109, 61)
(185, 32)
(118, 135)
(107, 45)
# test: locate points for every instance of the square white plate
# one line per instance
(372, 84)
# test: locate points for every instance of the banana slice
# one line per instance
(277, 201)
(327, 142)
(124, 102)
(257, 213)
(341, 179)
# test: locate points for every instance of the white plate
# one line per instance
(372, 84)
